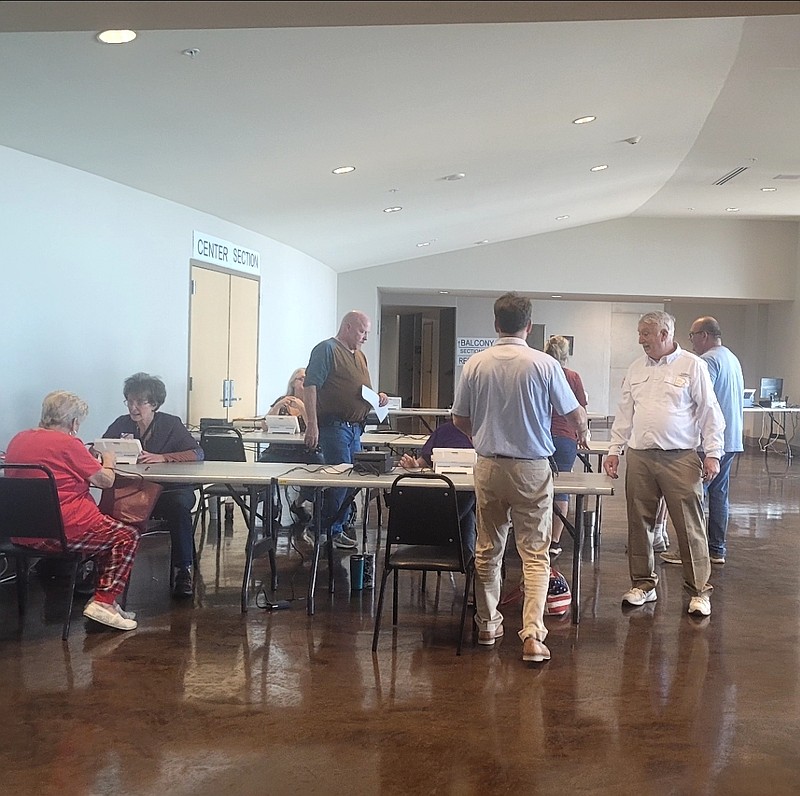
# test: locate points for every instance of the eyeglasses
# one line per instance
(131, 404)
(692, 335)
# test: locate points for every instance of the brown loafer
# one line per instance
(488, 637)
(534, 650)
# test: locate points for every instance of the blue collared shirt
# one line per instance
(508, 392)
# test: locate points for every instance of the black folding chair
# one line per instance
(423, 535)
(29, 509)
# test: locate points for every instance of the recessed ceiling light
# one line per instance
(555, 296)
(601, 167)
(424, 243)
(392, 209)
(453, 177)
(561, 218)
(731, 209)
(584, 120)
(116, 36)
(769, 189)
(443, 292)
(343, 169)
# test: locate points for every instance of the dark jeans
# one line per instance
(466, 521)
(719, 507)
(564, 457)
(175, 508)
(338, 441)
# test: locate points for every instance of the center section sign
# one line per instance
(467, 346)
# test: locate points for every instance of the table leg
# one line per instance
(577, 552)
(312, 578)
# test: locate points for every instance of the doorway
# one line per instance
(417, 359)
(223, 345)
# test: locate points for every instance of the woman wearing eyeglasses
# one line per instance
(164, 438)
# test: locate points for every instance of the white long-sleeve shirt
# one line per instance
(668, 404)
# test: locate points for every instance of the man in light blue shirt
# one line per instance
(725, 371)
(504, 401)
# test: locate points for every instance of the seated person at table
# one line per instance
(164, 438)
(448, 436)
(109, 542)
(292, 404)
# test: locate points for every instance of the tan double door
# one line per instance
(223, 345)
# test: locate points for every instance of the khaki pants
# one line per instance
(525, 487)
(678, 476)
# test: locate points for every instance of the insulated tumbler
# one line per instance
(356, 572)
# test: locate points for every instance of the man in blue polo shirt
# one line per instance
(504, 402)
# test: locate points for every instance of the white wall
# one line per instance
(712, 264)
(95, 286)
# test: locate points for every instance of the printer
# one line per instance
(454, 461)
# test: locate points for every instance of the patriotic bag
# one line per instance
(559, 596)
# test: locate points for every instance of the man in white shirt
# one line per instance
(667, 405)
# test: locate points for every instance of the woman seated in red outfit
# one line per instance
(164, 438)
(112, 545)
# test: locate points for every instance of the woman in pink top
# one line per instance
(110, 543)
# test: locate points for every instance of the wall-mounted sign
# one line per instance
(467, 346)
(212, 250)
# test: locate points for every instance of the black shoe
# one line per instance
(182, 584)
(300, 513)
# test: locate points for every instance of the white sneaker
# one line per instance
(343, 542)
(123, 613)
(108, 615)
(636, 596)
(700, 604)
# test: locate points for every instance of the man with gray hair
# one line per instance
(667, 406)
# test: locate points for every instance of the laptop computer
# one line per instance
(282, 424)
(127, 450)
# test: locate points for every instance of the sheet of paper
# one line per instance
(373, 399)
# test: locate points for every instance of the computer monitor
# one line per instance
(771, 388)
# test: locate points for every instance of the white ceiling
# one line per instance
(281, 93)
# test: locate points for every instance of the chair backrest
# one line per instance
(29, 506)
(222, 444)
(423, 511)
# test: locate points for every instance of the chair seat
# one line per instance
(439, 559)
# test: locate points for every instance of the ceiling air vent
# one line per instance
(730, 175)
(786, 177)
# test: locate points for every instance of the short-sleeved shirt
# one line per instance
(725, 371)
(509, 391)
(71, 464)
(338, 374)
(165, 435)
(560, 426)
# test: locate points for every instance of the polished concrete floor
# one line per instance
(204, 700)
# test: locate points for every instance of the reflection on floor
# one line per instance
(203, 700)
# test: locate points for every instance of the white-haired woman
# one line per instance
(110, 543)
